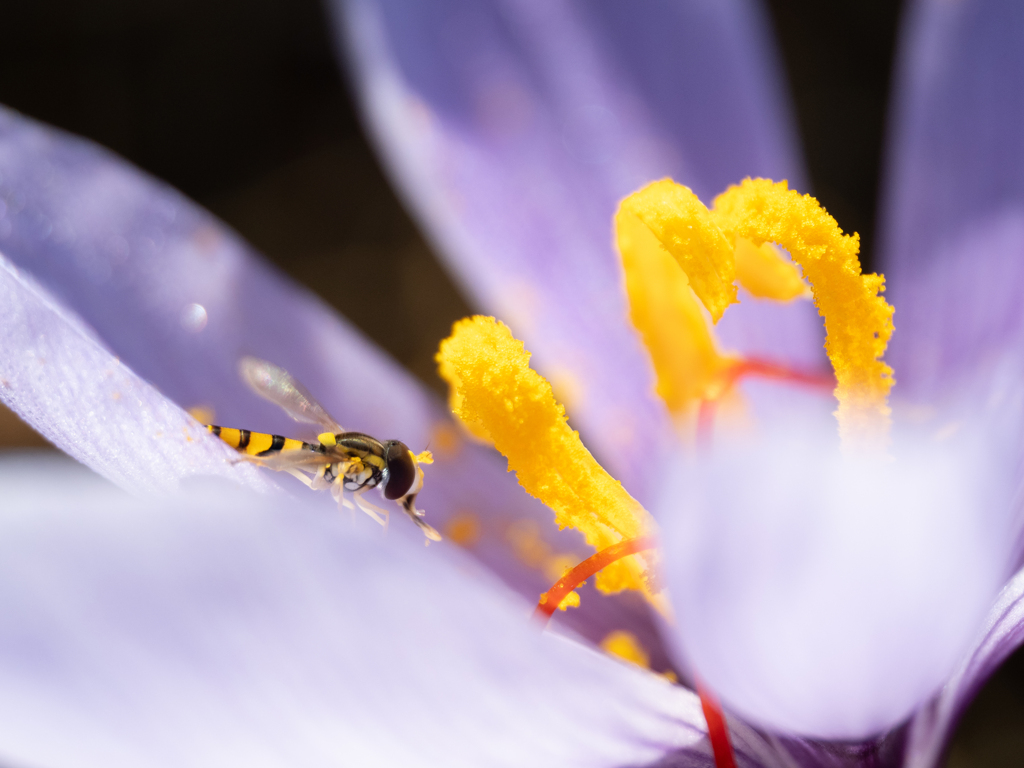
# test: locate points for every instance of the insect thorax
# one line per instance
(358, 461)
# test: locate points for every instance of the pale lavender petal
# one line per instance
(515, 127)
(215, 627)
(60, 379)
(1003, 633)
(828, 595)
(954, 233)
(135, 259)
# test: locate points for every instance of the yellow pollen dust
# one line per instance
(463, 529)
(204, 414)
(625, 645)
(571, 600)
(499, 397)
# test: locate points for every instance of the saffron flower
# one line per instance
(844, 607)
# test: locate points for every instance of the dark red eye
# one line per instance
(401, 469)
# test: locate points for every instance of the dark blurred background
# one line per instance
(241, 105)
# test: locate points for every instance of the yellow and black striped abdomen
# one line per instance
(256, 443)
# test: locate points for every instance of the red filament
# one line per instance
(554, 596)
(754, 367)
(718, 731)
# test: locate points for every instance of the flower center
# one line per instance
(681, 261)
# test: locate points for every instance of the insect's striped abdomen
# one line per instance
(256, 443)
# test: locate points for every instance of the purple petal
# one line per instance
(135, 258)
(59, 378)
(954, 236)
(1003, 633)
(215, 627)
(177, 295)
(883, 752)
(829, 595)
(514, 128)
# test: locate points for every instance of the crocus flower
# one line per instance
(192, 620)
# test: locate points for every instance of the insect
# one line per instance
(349, 463)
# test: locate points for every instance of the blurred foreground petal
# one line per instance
(834, 593)
(514, 129)
(213, 627)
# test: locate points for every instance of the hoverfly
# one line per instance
(349, 463)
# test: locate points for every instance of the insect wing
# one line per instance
(277, 385)
(292, 459)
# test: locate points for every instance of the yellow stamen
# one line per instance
(858, 321)
(497, 395)
(669, 317)
(424, 457)
(751, 216)
(684, 226)
(625, 645)
(766, 274)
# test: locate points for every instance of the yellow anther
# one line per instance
(424, 457)
(625, 645)
(497, 395)
(685, 228)
(328, 439)
(668, 316)
(858, 321)
(766, 274)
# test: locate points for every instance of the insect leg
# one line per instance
(297, 473)
(378, 514)
(320, 480)
(428, 530)
(344, 502)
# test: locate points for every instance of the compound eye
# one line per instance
(401, 470)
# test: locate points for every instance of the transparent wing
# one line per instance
(277, 385)
(285, 460)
